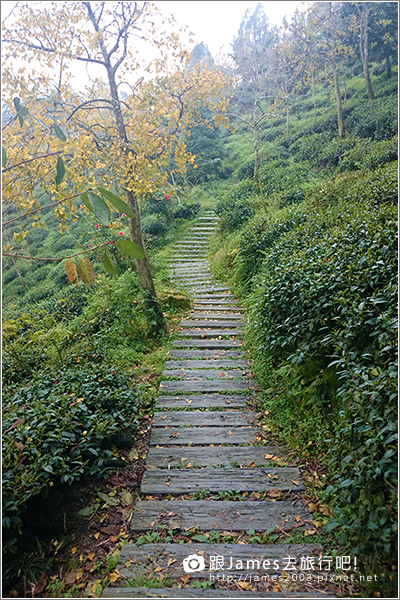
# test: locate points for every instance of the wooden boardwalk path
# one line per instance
(206, 444)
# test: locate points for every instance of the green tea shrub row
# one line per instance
(283, 178)
(369, 154)
(377, 120)
(59, 428)
(187, 210)
(325, 301)
(234, 208)
(153, 225)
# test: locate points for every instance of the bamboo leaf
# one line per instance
(60, 168)
(130, 249)
(108, 264)
(116, 201)
(59, 133)
(100, 208)
(70, 269)
(86, 271)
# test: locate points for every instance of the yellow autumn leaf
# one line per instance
(114, 576)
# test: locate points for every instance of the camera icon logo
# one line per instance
(193, 563)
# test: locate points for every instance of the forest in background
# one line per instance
(305, 181)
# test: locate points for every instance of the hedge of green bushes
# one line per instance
(60, 427)
(321, 285)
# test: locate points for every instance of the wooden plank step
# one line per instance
(240, 559)
(211, 364)
(190, 481)
(207, 354)
(187, 270)
(217, 514)
(216, 323)
(206, 343)
(192, 243)
(163, 458)
(203, 385)
(210, 333)
(212, 418)
(193, 402)
(213, 288)
(222, 298)
(204, 436)
(195, 374)
(143, 592)
(212, 301)
(214, 316)
(230, 308)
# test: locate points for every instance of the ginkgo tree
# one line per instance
(72, 150)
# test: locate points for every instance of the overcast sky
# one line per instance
(216, 23)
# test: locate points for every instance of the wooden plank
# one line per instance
(187, 270)
(232, 401)
(143, 592)
(207, 363)
(203, 386)
(222, 298)
(207, 354)
(210, 333)
(255, 559)
(163, 458)
(212, 301)
(213, 418)
(204, 436)
(193, 374)
(216, 323)
(189, 481)
(211, 289)
(216, 514)
(209, 344)
(214, 316)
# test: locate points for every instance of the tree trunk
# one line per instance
(154, 315)
(287, 118)
(338, 96)
(364, 9)
(20, 276)
(313, 97)
(388, 66)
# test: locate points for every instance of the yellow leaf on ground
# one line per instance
(243, 585)
(96, 587)
(185, 578)
(171, 561)
(114, 576)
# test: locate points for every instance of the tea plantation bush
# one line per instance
(187, 210)
(59, 428)
(324, 300)
(234, 207)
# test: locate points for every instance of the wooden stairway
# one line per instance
(206, 442)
